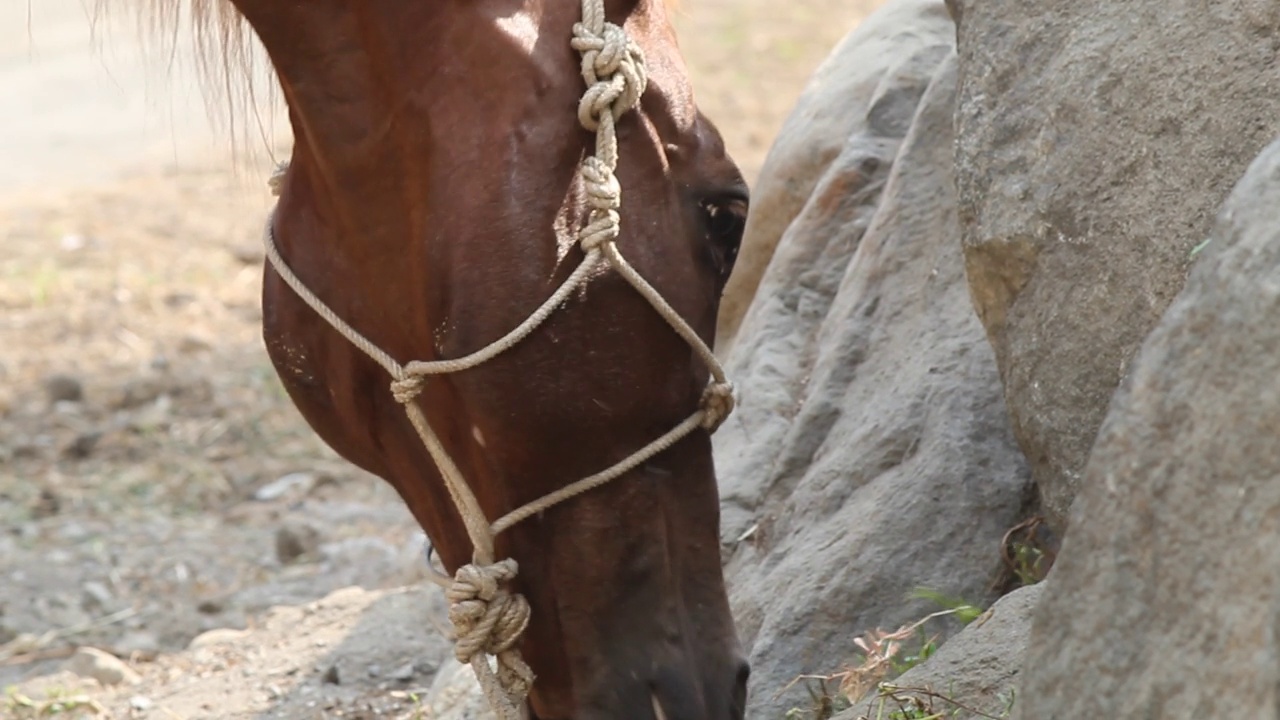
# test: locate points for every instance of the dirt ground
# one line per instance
(155, 483)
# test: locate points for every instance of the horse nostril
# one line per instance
(739, 704)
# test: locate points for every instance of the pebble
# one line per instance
(276, 489)
(96, 596)
(102, 666)
(293, 541)
(138, 392)
(219, 636)
(404, 673)
(331, 677)
(247, 254)
(61, 387)
(82, 446)
(48, 504)
(140, 703)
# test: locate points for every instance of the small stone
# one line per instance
(193, 344)
(294, 541)
(330, 676)
(301, 482)
(82, 446)
(248, 254)
(63, 388)
(96, 595)
(102, 666)
(47, 505)
(210, 607)
(273, 691)
(179, 299)
(140, 703)
(138, 392)
(220, 636)
(404, 673)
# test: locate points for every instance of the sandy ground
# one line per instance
(155, 484)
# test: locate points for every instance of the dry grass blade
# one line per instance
(879, 649)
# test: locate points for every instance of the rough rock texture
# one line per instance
(872, 451)
(1165, 601)
(867, 87)
(1096, 140)
(978, 668)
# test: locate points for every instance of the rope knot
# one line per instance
(276, 181)
(408, 387)
(487, 618)
(604, 192)
(717, 403)
(614, 69)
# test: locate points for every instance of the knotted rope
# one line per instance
(488, 619)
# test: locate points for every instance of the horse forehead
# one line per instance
(668, 76)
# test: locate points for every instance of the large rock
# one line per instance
(872, 451)
(1165, 600)
(1096, 140)
(977, 670)
(868, 87)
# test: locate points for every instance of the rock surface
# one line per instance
(975, 670)
(872, 451)
(1165, 601)
(1096, 141)
(865, 91)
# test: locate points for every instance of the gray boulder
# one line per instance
(1096, 140)
(871, 453)
(1165, 600)
(868, 87)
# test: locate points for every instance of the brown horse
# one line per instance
(433, 200)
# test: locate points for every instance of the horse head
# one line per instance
(435, 198)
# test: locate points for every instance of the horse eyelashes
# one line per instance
(725, 224)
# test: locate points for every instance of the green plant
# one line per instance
(1028, 561)
(1027, 552)
(57, 702)
(884, 655)
(962, 610)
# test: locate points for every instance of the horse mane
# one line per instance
(231, 64)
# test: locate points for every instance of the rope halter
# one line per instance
(488, 619)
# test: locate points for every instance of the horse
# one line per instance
(494, 268)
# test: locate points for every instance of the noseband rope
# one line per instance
(488, 619)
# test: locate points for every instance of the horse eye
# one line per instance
(725, 221)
